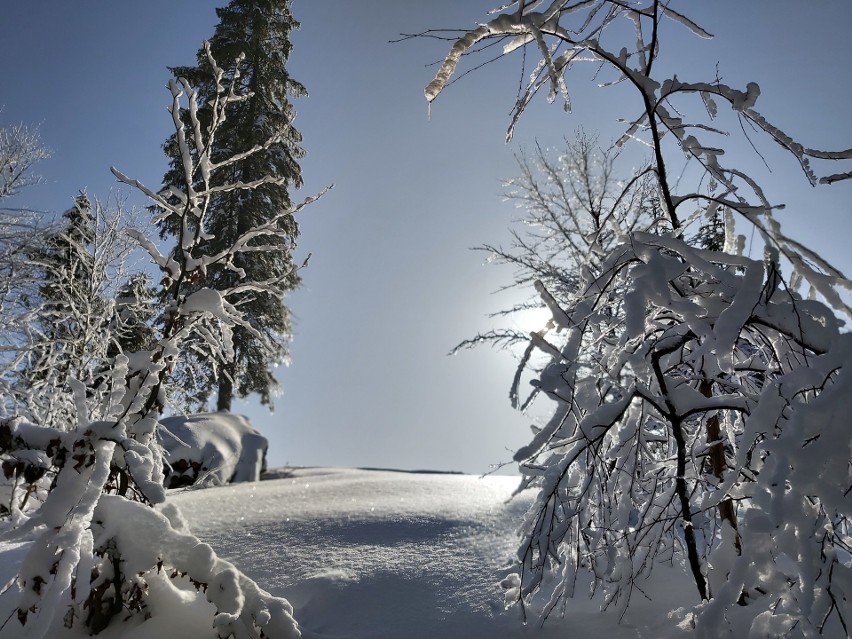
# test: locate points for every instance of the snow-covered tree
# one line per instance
(574, 208)
(20, 149)
(67, 331)
(574, 211)
(255, 33)
(132, 325)
(105, 538)
(59, 317)
(21, 231)
(725, 380)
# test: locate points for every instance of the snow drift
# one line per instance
(211, 449)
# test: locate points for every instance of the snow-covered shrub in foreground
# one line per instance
(211, 449)
(710, 430)
(99, 544)
(624, 467)
(26, 463)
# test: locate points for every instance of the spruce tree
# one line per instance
(67, 259)
(67, 309)
(252, 38)
(131, 325)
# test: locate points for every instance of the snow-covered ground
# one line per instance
(377, 554)
(366, 554)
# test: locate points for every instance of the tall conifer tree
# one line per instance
(254, 36)
(68, 309)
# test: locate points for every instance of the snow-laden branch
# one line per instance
(579, 26)
(695, 389)
(694, 318)
(100, 541)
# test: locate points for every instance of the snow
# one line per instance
(212, 449)
(206, 300)
(380, 554)
(372, 554)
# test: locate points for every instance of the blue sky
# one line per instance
(392, 285)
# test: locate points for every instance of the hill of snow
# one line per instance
(370, 554)
(379, 554)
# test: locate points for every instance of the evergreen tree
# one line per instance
(253, 39)
(132, 329)
(67, 256)
(68, 310)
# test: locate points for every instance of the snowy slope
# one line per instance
(366, 554)
(377, 554)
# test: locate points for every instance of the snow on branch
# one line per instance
(694, 388)
(99, 540)
(699, 319)
(579, 26)
(20, 150)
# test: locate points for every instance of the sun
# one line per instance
(532, 319)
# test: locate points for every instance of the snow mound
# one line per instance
(211, 449)
(369, 554)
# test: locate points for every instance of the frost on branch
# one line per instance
(695, 389)
(88, 563)
(575, 210)
(20, 150)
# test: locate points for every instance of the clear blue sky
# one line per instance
(392, 285)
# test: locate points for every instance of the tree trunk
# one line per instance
(226, 388)
(718, 463)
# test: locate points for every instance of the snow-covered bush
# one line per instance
(723, 381)
(99, 544)
(211, 449)
(25, 458)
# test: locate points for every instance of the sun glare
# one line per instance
(531, 320)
